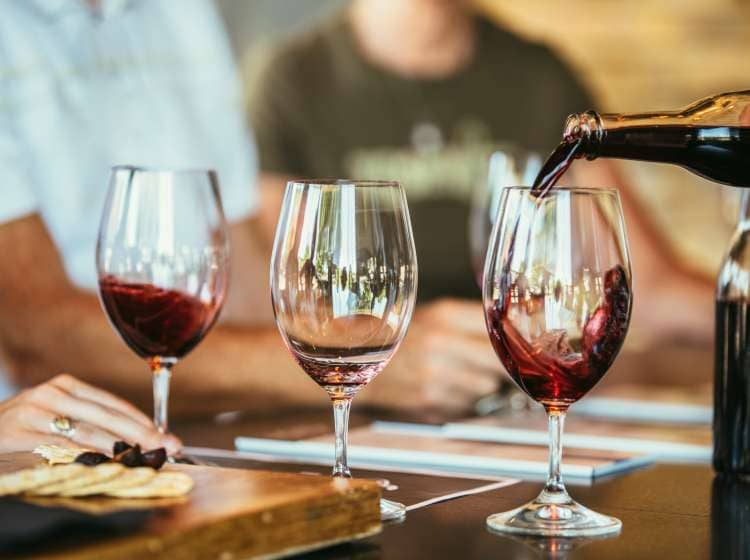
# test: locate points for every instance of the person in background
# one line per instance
(45, 413)
(422, 91)
(91, 84)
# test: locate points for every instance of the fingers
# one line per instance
(81, 390)
(111, 425)
(37, 420)
(119, 407)
(427, 384)
(470, 385)
(93, 437)
(463, 353)
(60, 402)
(461, 316)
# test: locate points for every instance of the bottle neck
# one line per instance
(656, 137)
(594, 129)
(586, 128)
(710, 138)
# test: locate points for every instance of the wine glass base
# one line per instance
(569, 520)
(391, 511)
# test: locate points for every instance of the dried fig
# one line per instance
(92, 458)
(131, 457)
(155, 458)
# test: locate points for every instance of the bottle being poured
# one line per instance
(711, 138)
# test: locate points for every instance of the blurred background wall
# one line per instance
(634, 56)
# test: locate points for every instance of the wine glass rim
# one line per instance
(573, 189)
(163, 170)
(328, 182)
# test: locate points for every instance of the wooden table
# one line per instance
(668, 511)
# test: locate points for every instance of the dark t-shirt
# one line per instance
(319, 109)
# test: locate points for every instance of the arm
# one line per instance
(47, 324)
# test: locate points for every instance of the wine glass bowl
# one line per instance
(163, 260)
(558, 299)
(343, 286)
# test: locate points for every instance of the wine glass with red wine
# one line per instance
(344, 285)
(557, 298)
(163, 260)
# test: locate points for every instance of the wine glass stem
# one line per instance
(554, 489)
(341, 409)
(162, 373)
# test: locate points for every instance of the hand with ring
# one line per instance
(66, 411)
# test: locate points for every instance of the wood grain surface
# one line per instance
(232, 514)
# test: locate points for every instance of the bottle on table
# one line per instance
(732, 366)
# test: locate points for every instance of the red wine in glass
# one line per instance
(155, 321)
(553, 369)
(163, 261)
(557, 297)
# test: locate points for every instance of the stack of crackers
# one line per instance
(64, 478)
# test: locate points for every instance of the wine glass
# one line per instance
(557, 300)
(163, 261)
(508, 165)
(344, 285)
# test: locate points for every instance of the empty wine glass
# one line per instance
(163, 259)
(557, 299)
(343, 285)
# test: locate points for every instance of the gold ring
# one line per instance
(63, 426)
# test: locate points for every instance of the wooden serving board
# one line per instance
(232, 514)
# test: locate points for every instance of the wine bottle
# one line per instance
(711, 138)
(732, 360)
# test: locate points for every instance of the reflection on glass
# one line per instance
(557, 299)
(507, 166)
(343, 284)
(162, 259)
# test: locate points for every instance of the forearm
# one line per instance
(233, 368)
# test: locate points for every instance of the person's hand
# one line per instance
(99, 419)
(444, 365)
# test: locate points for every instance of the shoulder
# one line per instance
(298, 60)
(533, 64)
(498, 41)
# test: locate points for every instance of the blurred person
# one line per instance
(66, 411)
(91, 84)
(422, 91)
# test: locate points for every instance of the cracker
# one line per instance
(164, 485)
(57, 454)
(129, 478)
(87, 477)
(29, 479)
